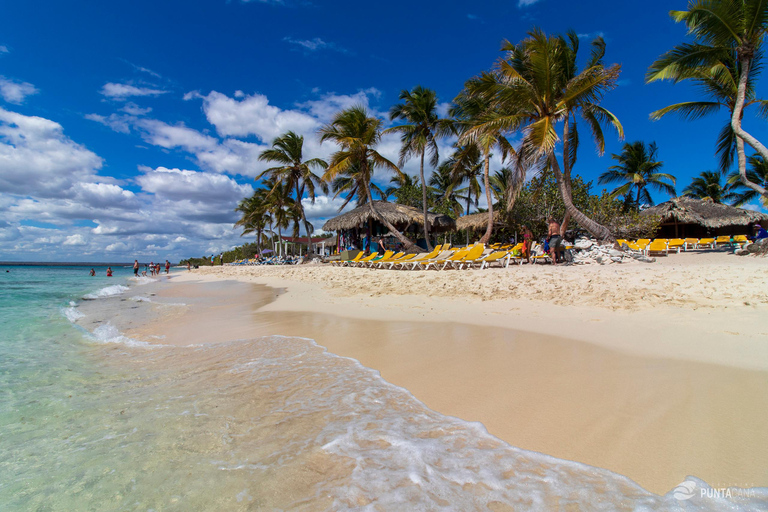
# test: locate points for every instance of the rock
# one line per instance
(616, 259)
(583, 244)
(646, 259)
(741, 252)
(752, 248)
(616, 254)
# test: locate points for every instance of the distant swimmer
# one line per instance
(92, 273)
(136, 268)
(109, 271)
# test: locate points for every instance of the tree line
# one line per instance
(538, 95)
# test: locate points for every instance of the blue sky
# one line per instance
(131, 130)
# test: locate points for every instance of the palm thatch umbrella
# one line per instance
(476, 220)
(397, 214)
(698, 216)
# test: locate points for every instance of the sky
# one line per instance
(131, 130)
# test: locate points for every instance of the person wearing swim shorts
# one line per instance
(554, 239)
(136, 268)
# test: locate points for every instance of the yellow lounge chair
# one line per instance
(709, 242)
(723, 240)
(657, 247)
(691, 243)
(384, 257)
(474, 254)
(405, 257)
(676, 244)
(365, 260)
(441, 258)
(741, 239)
(353, 260)
(387, 258)
(419, 258)
(502, 257)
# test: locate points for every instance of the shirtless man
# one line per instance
(554, 238)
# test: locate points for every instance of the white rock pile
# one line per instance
(588, 251)
(759, 247)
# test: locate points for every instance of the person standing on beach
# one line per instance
(554, 238)
(136, 268)
(527, 241)
(167, 267)
(189, 266)
(152, 268)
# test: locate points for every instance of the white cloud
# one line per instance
(315, 44)
(116, 122)
(180, 185)
(37, 158)
(526, 3)
(77, 239)
(4, 49)
(15, 92)
(135, 110)
(122, 91)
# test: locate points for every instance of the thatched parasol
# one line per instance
(476, 220)
(397, 214)
(687, 210)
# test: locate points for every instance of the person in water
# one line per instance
(109, 271)
(167, 266)
(92, 273)
(136, 268)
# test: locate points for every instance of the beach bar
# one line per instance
(688, 217)
(354, 226)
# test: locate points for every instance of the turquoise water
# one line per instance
(101, 422)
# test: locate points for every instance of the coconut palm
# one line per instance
(399, 181)
(538, 89)
(504, 187)
(720, 83)
(707, 185)
(757, 172)
(281, 207)
(357, 134)
(466, 166)
(351, 182)
(637, 171)
(294, 172)
(724, 31)
(254, 215)
(471, 109)
(419, 135)
(443, 187)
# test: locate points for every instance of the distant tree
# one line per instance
(418, 108)
(757, 172)
(637, 170)
(707, 185)
(443, 189)
(294, 172)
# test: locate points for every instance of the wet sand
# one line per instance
(653, 419)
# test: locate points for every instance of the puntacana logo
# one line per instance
(684, 491)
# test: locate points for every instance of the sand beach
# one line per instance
(653, 371)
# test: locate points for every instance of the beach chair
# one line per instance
(474, 254)
(420, 258)
(501, 257)
(353, 260)
(708, 242)
(542, 257)
(676, 244)
(440, 259)
(402, 259)
(742, 240)
(723, 240)
(388, 255)
(365, 260)
(691, 243)
(657, 247)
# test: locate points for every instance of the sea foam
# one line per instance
(109, 291)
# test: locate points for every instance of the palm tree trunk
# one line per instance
(424, 204)
(300, 193)
(743, 136)
(595, 229)
(487, 182)
(407, 244)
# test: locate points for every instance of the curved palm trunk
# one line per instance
(407, 244)
(424, 204)
(743, 136)
(487, 182)
(595, 229)
(299, 194)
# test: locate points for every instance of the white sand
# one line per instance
(671, 382)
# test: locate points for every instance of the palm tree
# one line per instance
(471, 109)
(637, 169)
(357, 134)
(725, 32)
(281, 206)
(352, 183)
(254, 214)
(419, 136)
(707, 186)
(294, 172)
(503, 186)
(466, 166)
(443, 186)
(537, 89)
(756, 173)
(399, 181)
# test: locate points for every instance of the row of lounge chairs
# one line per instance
(441, 258)
(665, 245)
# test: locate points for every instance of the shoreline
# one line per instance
(655, 412)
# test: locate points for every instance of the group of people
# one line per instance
(152, 268)
(552, 245)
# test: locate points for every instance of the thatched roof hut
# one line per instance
(686, 216)
(397, 214)
(476, 220)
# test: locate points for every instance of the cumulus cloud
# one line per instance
(38, 159)
(15, 92)
(122, 91)
(76, 239)
(193, 186)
